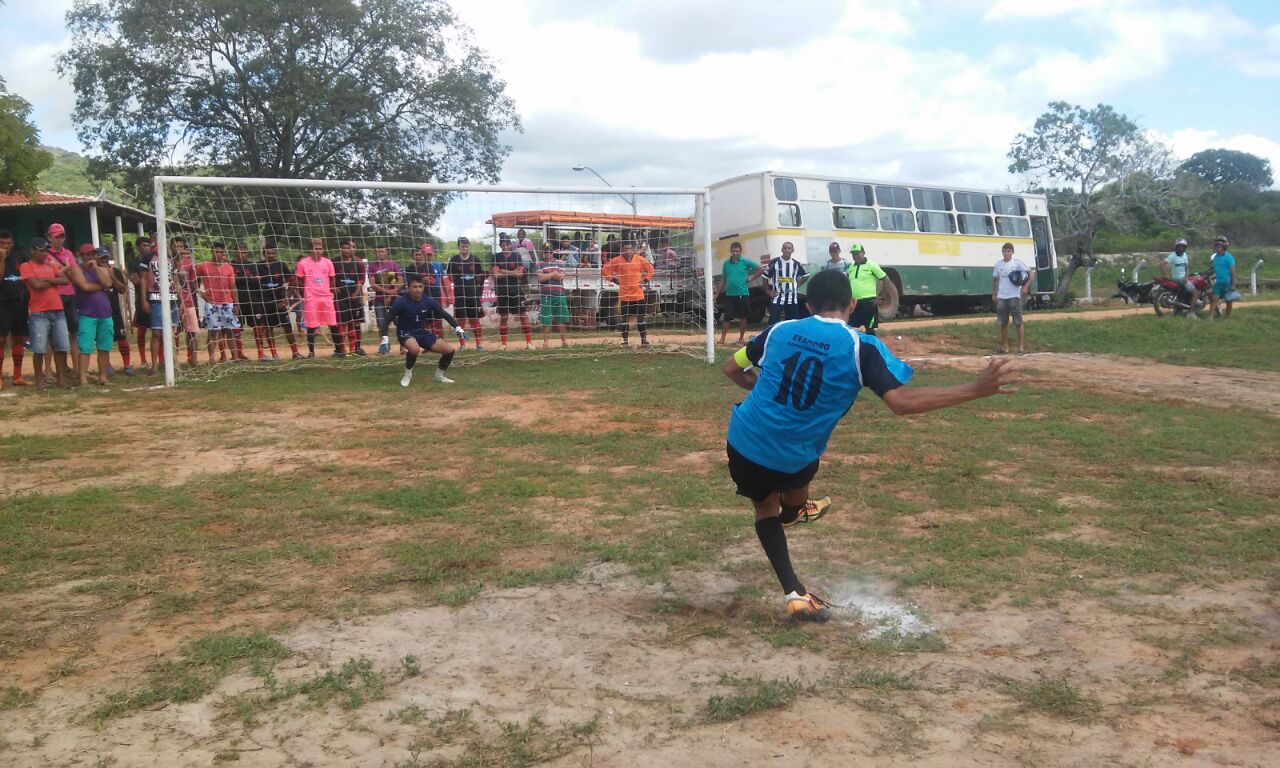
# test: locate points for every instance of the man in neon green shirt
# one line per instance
(738, 274)
(864, 279)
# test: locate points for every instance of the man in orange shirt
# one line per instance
(46, 320)
(631, 272)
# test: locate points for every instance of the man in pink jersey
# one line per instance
(65, 259)
(316, 278)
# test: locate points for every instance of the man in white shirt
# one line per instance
(1010, 282)
(1176, 266)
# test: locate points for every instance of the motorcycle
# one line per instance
(1170, 297)
(1131, 291)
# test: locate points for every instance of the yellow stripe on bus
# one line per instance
(930, 244)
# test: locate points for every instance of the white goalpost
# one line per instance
(577, 247)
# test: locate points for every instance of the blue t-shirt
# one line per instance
(811, 371)
(1223, 263)
(1177, 265)
(410, 316)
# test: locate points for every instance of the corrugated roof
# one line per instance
(47, 198)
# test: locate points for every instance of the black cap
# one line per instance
(39, 244)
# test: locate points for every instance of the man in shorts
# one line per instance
(154, 307)
(248, 301)
(13, 308)
(411, 313)
(738, 274)
(118, 295)
(555, 306)
(385, 280)
(180, 254)
(349, 284)
(1010, 282)
(803, 376)
(508, 284)
(46, 320)
(217, 286)
(631, 272)
(1175, 267)
(315, 273)
(466, 273)
(138, 268)
(785, 276)
(64, 258)
(1224, 278)
(865, 278)
(93, 279)
(275, 279)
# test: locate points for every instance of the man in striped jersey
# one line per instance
(785, 276)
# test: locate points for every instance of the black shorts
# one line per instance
(250, 315)
(350, 311)
(141, 319)
(865, 314)
(758, 483)
(510, 303)
(467, 307)
(117, 325)
(13, 318)
(426, 339)
(634, 308)
(72, 314)
(737, 308)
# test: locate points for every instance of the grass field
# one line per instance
(546, 564)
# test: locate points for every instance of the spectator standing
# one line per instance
(248, 301)
(631, 272)
(435, 280)
(736, 288)
(350, 293)
(187, 285)
(569, 253)
(118, 295)
(275, 276)
(46, 320)
(1224, 278)
(508, 284)
(316, 275)
(217, 286)
(385, 279)
(865, 278)
(154, 306)
(13, 308)
(138, 263)
(836, 263)
(57, 237)
(91, 282)
(785, 276)
(590, 256)
(1010, 281)
(466, 275)
(555, 307)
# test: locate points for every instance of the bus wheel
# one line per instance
(887, 301)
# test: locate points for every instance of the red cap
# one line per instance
(85, 250)
(56, 229)
(428, 248)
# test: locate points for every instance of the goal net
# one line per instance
(267, 274)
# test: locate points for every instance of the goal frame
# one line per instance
(702, 216)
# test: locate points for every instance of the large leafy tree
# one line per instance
(1100, 155)
(21, 158)
(1229, 166)
(375, 89)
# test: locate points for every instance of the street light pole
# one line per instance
(631, 201)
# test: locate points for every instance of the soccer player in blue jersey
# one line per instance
(411, 313)
(803, 376)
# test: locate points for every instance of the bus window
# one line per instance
(785, 189)
(1009, 205)
(931, 199)
(973, 224)
(972, 202)
(851, 194)
(932, 221)
(854, 218)
(1007, 226)
(896, 221)
(788, 215)
(893, 197)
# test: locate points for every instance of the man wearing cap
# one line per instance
(736, 288)
(1224, 278)
(836, 263)
(46, 322)
(385, 279)
(13, 307)
(91, 283)
(865, 278)
(66, 293)
(1174, 267)
(1010, 282)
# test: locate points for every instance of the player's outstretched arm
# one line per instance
(995, 380)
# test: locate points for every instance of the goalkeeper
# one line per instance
(411, 313)
(803, 377)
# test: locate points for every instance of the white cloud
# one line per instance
(37, 35)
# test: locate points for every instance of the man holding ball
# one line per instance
(803, 377)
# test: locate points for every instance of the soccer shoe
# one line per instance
(339, 355)
(299, 356)
(440, 378)
(360, 352)
(813, 509)
(407, 377)
(479, 348)
(644, 343)
(128, 370)
(502, 347)
(529, 345)
(806, 608)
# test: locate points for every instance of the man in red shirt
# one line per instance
(217, 286)
(46, 321)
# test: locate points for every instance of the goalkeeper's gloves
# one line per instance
(461, 333)
(384, 346)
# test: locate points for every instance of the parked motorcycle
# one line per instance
(1135, 292)
(1169, 297)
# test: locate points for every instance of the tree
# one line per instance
(1228, 166)
(1090, 150)
(376, 89)
(21, 157)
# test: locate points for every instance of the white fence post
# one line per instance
(1088, 283)
(1253, 278)
(1136, 269)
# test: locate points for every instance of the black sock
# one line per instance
(409, 360)
(336, 336)
(445, 361)
(311, 340)
(643, 333)
(774, 540)
(626, 332)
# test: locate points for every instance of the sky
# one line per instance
(684, 93)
